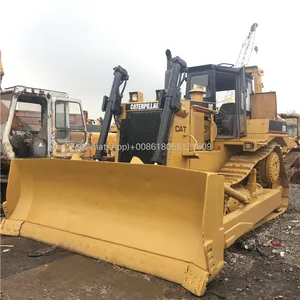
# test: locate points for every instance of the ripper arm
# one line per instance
(170, 103)
(111, 106)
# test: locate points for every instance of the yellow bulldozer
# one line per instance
(186, 181)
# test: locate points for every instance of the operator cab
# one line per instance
(27, 133)
(228, 90)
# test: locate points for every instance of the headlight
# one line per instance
(136, 97)
(133, 97)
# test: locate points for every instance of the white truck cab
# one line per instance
(40, 123)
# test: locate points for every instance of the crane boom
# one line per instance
(247, 48)
(244, 56)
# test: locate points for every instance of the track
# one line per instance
(239, 166)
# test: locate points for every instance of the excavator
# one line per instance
(186, 181)
(292, 150)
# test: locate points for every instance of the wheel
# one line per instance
(273, 167)
(269, 169)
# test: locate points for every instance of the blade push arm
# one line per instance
(170, 102)
(111, 106)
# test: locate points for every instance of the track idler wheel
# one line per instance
(269, 169)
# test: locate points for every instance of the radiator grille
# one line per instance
(139, 130)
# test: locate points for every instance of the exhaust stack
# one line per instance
(169, 66)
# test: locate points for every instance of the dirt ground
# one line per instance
(264, 264)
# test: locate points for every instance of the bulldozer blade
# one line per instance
(159, 220)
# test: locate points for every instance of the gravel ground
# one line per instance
(264, 264)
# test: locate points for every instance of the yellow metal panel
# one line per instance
(263, 106)
(242, 220)
(179, 142)
(257, 126)
(197, 126)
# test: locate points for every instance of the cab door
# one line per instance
(241, 96)
(69, 127)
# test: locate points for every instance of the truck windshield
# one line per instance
(68, 115)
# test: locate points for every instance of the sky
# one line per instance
(73, 46)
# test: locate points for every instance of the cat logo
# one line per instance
(142, 106)
(180, 128)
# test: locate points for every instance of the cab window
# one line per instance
(69, 122)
